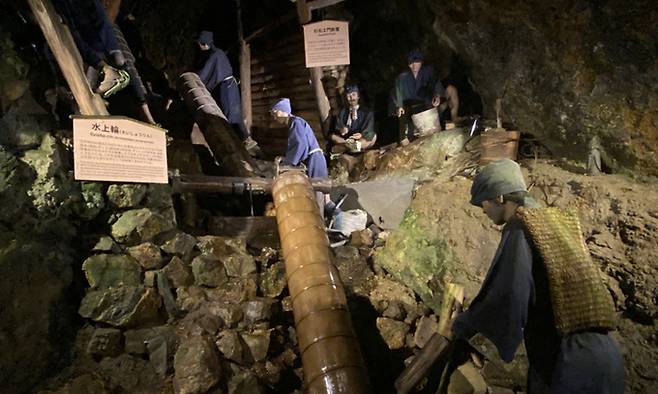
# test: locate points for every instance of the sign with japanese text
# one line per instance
(118, 149)
(327, 43)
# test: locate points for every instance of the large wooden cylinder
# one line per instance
(329, 348)
(221, 137)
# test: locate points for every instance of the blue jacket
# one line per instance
(514, 305)
(215, 69)
(303, 147)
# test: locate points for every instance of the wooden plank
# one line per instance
(245, 83)
(283, 67)
(68, 58)
(294, 82)
(317, 4)
(288, 51)
(271, 26)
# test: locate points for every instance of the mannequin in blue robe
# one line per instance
(514, 305)
(217, 75)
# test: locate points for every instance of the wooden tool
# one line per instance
(438, 345)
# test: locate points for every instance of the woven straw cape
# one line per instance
(579, 298)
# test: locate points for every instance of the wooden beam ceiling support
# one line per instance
(66, 53)
(317, 4)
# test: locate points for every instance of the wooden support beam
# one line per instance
(245, 69)
(245, 82)
(267, 28)
(324, 108)
(193, 183)
(303, 12)
(68, 58)
(317, 4)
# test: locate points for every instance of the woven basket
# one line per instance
(579, 298)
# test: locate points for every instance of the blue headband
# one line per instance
(205, 37)
(282, 105)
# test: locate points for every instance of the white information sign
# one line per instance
(327, 43)
(118, 149)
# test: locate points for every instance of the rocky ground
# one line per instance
(166, 311)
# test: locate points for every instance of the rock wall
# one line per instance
(42, 207)
(566, 70)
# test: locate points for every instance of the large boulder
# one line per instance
(109, 270)
(105, 342)
(127, 195)
(125, 306)
(441, 239)
(147, 255)
(208, 271)
(139, 225)
(196, 366)
(179, 244)
(178, 273)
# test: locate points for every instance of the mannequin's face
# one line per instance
(495, 211)
(279, 116)
(415, 67)
(353, 98)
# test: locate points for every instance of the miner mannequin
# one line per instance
(96, 41)
(354, 123)
(544, 289)
(417, 90)
(217, 75)
(302, 146)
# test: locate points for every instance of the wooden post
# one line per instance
(304, 14)
(66, 53)
(245, 71)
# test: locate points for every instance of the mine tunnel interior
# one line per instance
(238, 273)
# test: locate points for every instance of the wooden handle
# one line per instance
(437, 346)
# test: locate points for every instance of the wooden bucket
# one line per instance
(426, 122)
(498, 145)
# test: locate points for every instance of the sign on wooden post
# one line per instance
(118, 149)
(327, 43)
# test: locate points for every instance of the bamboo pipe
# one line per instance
(222, 139)
(329, 349)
